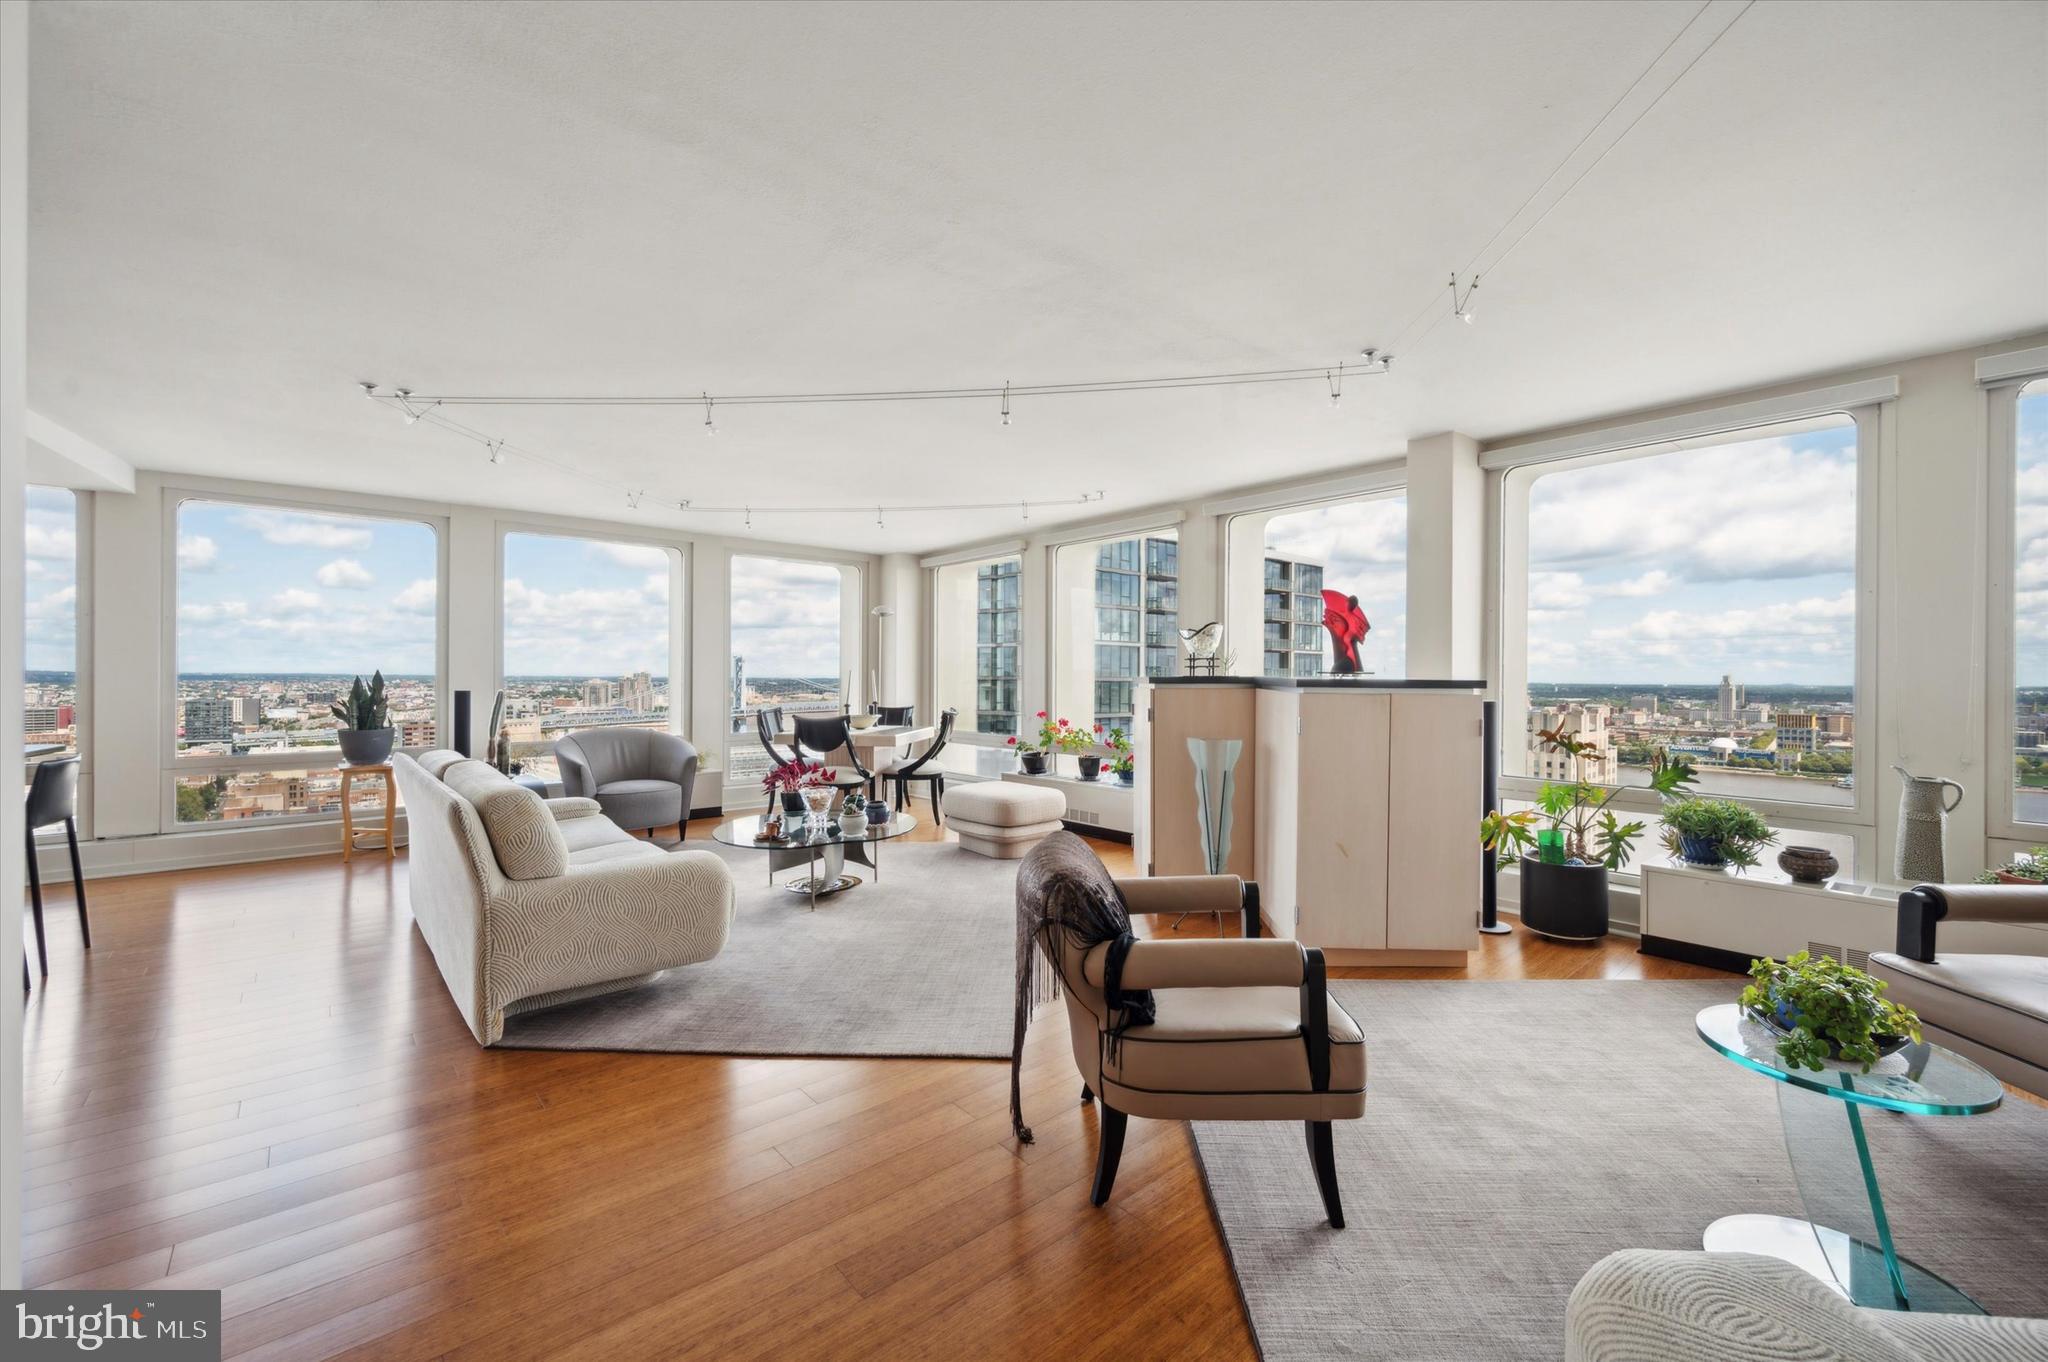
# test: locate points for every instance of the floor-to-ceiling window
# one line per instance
(788, 623)
(279, 609)
(1319, 589)
(976, 620)
(588, 626)
(2029, 593)
(51, 693)
(1115, 620)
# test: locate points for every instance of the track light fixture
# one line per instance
(497, 450)
(709, 429)
(1336, 377)
(1461, 308)
(1006, 401)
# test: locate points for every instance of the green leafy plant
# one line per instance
(854, 802)
(1825, 1010)
(2029, 868)
(1731, 829)
(364, 708)
(1578, 809)
(1121, 760)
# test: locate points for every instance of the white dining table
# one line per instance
(876, 737)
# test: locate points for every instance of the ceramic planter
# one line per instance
(1091, 768)
(1034, 763)
(1568, 902)
(1808, 865)
(365, 746)
(1700, 851)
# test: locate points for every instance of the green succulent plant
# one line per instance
(1825, 1010)
(365, 707)
(1734, 828)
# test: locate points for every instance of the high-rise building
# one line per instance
(1646, 703)
(1587, 723)
(247, 709)
(1293, 617)
(739, 688)
(599, 694)
(209, 718)
(998, 603)
(1730, 701)
(39, 719)
(1137, 618)
(636, 693)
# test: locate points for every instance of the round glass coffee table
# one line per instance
(822, 850)
(1846, 1239)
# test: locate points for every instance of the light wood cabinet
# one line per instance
(1356, 808)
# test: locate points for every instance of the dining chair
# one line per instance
(920, 768)
(53, 798)
(829, 739)
(767, 725)
(894, 716)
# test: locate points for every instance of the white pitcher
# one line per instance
(1924, 808)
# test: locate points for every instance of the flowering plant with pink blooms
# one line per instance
(793, 776)
(1057, 735)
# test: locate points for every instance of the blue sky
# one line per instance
(1363, 547)
(2030, 542)
(582, 607)
(1678, 568)
(51, 618)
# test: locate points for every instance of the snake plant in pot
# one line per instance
(1571, 840)
(365, 734)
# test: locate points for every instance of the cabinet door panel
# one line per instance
(1433, 823)
(1341, 880)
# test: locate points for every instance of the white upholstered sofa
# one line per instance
(527, 902)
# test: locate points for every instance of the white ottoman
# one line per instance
(1004, 819)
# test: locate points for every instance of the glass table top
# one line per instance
(741, 831)
(1921, 1079)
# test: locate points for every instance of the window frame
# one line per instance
(1510, 472)
(1383, 483)
(2001, 396)
(854, 612)
(1168, 527)
(81, 663)
(172, 765)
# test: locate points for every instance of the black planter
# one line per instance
(1034, 763)
(1567, 902)
(1091, 768)
(365, 746)
(793, 802)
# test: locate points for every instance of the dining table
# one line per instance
(876, 738)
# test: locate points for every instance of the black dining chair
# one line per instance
(920, 768)
(825, 738)
(767, 727)
(53, 798)
(894, 716)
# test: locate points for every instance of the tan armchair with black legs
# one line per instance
(1243, 1029)
(1992, 1008)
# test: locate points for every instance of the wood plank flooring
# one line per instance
(255, 1082)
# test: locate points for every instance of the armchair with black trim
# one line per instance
(1210, 1030)
(1991, 1007)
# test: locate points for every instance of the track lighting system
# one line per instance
(1461, 308)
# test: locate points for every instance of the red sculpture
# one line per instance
(1348, 627)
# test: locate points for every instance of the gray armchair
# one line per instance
(641, 778)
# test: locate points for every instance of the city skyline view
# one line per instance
(1363, 549)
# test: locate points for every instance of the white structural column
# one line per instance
(899, 634)
(13, 466)
(1446, 557)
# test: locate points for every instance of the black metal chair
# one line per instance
(921, 769)
(767, 726)
(53, 798)
(894, 716)
(825, 738)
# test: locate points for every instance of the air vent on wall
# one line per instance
(1083, 816)
(1853, 958)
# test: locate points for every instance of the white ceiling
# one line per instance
(238, 211)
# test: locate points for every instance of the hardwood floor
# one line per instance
(255, 1082)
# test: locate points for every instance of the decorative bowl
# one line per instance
(861, 720)
(1808, 865)
(818, 801)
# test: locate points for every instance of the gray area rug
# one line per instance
(921, 964)
(1517, 1132)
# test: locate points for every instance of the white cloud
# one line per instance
(196, 553)
(1655, 582)
(301, 529)
(632, 555)
(418, 597)
(44, 541)
(213, 613)
(292, 598)
(344, 573)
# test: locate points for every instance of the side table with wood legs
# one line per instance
(349, 774)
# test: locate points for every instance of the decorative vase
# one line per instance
(1701, 851)
(1567, 902)
(1550, 846)
(1091, 768)
(818, 803)
(1808, 865)
(879, 813)
(1923, 822)
(793, 803)
(1034, 763)
(1129, 777)
(365, 746)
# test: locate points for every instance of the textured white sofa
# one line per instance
(527, 902)
(1645, 1305)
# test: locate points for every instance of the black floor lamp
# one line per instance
(1489, 794)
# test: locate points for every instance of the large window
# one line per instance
(787, 622)
(1116, 619)
(1698, 599)
(2030, 607)
(586, 642)
(278, 610)
(50, 692)
(976, 614)
(1320, 589)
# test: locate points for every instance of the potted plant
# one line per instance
(790, 780)
(1091, 760)
(2028, 868)
(1122, 762)
(1035, 753)
(1715, 832)
(365, 734)
(1569, 842)
(1823, 1010)
(853, 812)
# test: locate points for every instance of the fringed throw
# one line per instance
(1065, 900)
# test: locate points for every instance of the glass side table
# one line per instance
(1846, 1239)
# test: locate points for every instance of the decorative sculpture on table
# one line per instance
(1348, 626)
(1202, 644)
(1215, 774)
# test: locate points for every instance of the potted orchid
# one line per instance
(790, 779)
